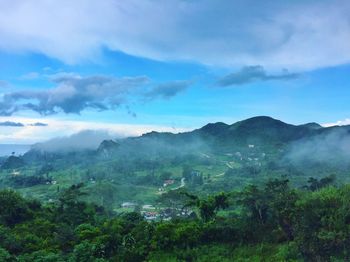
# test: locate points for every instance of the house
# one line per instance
(170, 213)
(150, 215)
(128, 205)
(15, 173)
(168, 182)
(148, 207)
(195, 173)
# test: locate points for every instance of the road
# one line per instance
(181, 185)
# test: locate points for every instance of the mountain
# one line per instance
(312, 125)
(261, 131)
(216, 157)
(278, 140)
(12, 162)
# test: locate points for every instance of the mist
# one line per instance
(331, 147)
(160, 144)
(84, 140)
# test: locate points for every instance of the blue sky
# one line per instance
(129, 67)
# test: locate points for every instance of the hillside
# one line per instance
(216, 157)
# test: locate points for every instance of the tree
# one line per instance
(187, 234)
(282, 201)
(5, 256)
(254, 203)
(208, 207)
(163, 237)
(87, 252)
(14, 208)
(322, 224)
(315, 184)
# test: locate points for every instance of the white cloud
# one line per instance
(344, 122)
(297, 35)
(30, 76)
(29, 134)
(73, 94)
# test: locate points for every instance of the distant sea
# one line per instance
(7, 149)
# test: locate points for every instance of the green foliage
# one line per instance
(13, 162)
(270, 223)
(210, 206)
(315, 184)
(14, 209)
(322, 225)
(5, 255)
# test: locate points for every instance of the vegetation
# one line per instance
(206, 195)
(273, 222)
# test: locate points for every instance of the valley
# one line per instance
(214, 158)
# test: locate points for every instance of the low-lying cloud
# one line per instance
(344, 122)
(84, 140)
(251, 74)
(331, 147)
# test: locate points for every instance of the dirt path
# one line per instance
(182, 184)
(229, 165)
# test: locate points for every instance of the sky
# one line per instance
(126, 67)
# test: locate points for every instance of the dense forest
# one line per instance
(271, 222)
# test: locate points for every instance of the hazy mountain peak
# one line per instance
(213, 128)
(260, 121)
(312, 125)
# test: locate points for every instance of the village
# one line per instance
(250, 155)
(253, 156)
(158, 213)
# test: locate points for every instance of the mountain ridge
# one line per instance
(262, 131)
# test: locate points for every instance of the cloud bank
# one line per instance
(83, 140)
(18, 124)
(73, 93)
(250, 74)
(10, 123)
(344, 122)
(276, 34)
(30, 134)
(331, 147)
